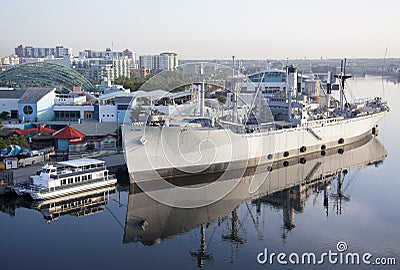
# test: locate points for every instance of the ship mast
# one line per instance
(201, 92)
(289, 95)
(291, 87)
(342, 78)
(202, 254)
(235, 94)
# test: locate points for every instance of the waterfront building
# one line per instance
(9, 99)
(36, 104)
(38, 137)
(105, 113)
(69, 139)
(86, 137)
(99, 136)
(73, 113)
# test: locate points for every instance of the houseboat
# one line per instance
(67, 178)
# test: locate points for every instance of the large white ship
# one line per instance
(216, 143)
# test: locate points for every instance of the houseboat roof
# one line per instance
(80, 162)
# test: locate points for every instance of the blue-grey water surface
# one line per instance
(365, 217)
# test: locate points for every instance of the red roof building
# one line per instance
(32, 131)
(70, 139)
(68, 133)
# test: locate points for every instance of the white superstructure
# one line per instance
(219, 141)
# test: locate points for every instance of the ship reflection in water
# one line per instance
(286, 188)
(84, 204)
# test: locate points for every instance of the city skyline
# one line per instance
(208, 30)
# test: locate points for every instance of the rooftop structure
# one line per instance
(82, 162)
(11, 94)
(34, 94)
(68, 133)
(32, 131)
(43, 74)
(95, 129)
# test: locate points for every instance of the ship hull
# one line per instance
(155, 152)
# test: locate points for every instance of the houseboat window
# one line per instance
(70, 180)
(89, 176)
(84, 178)
(63, 182)
(77, 179)
(53, 170)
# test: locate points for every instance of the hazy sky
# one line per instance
(207, 29)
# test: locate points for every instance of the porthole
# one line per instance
(286, 163)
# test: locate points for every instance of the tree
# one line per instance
(4, 115)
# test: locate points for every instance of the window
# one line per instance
(122, 107)
(27, 109)
(84, 178)
(63, 182)
(77, 179)
(70, 180)
(89, 176)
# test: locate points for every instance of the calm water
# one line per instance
(132, 231)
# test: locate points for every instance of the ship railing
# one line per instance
(235, 127)
(42, 189)
(137, 124)
(31, 187)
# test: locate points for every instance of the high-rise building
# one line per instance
(168, 60)
(108, 53)
(23, 51)
(163, 61)
(97, 70)
(97, 66)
